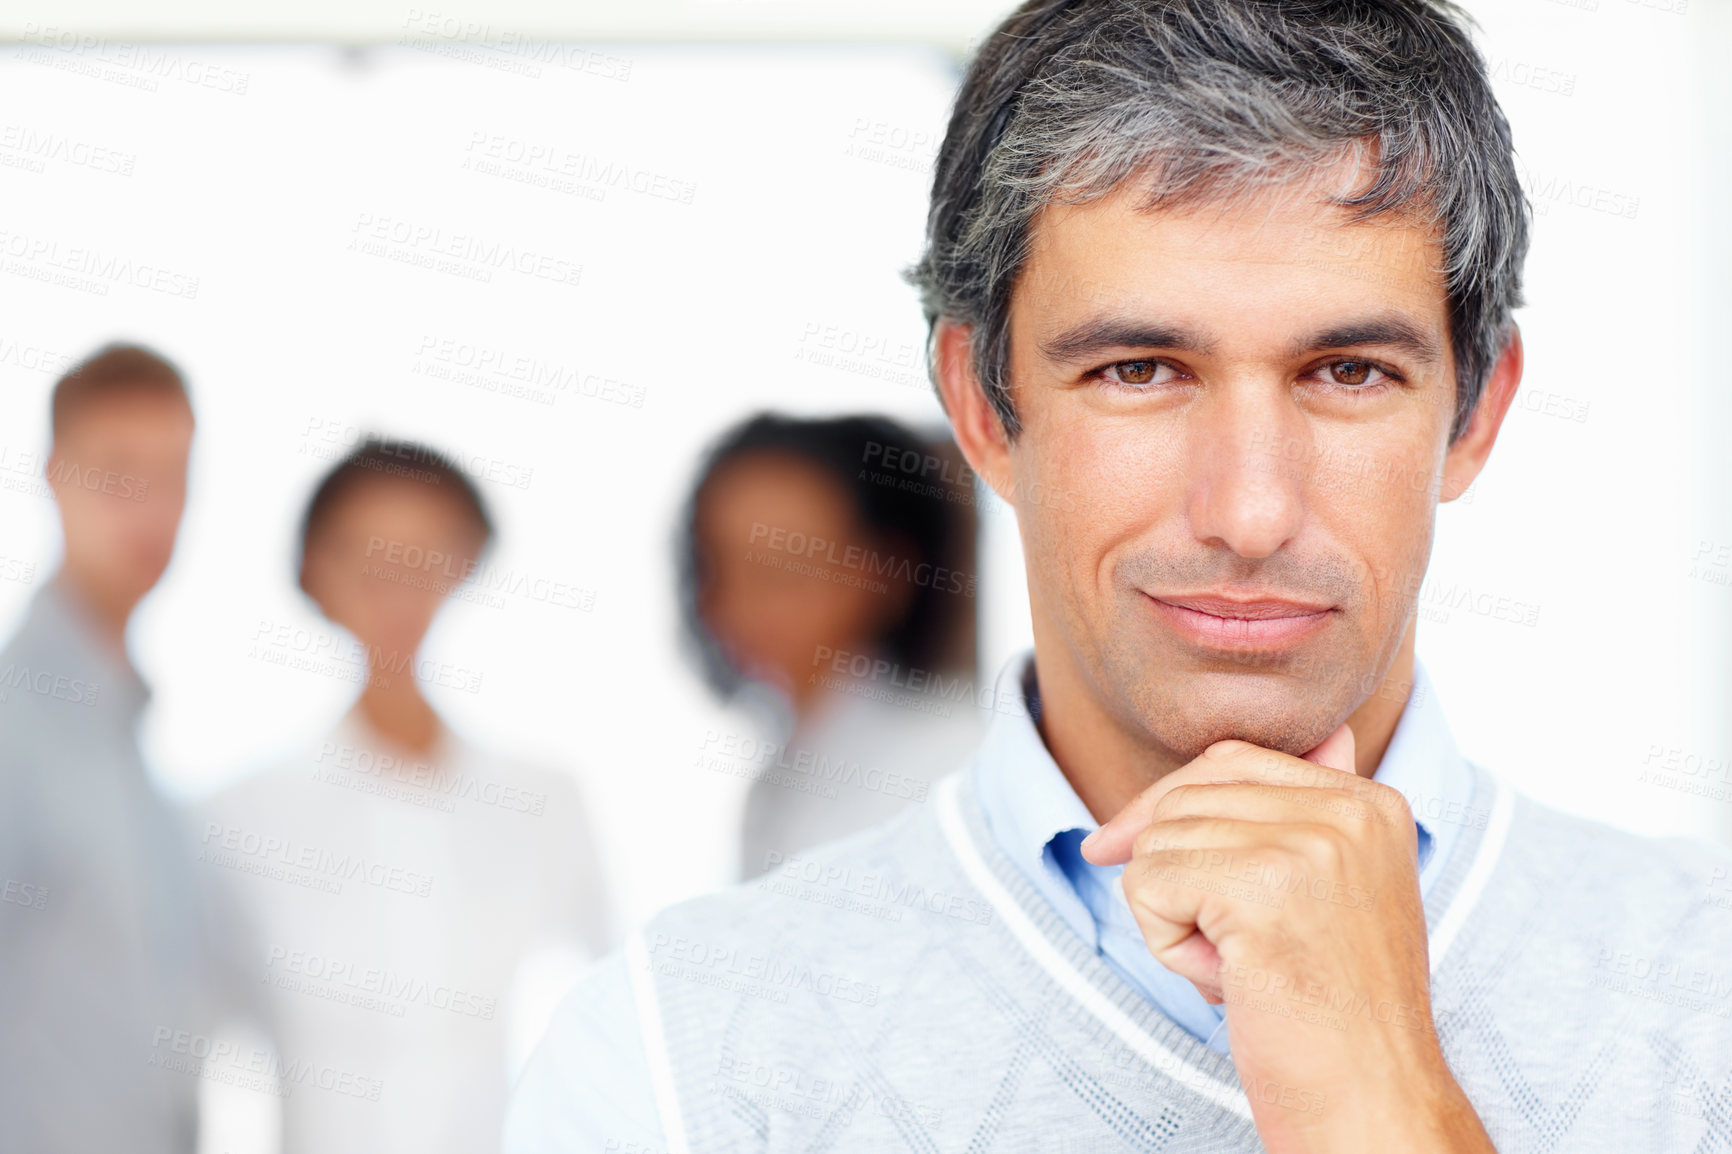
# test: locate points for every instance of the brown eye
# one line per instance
(1350, 372)
(1136, 372)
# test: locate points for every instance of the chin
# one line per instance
(1195, 717)
(1295, 737)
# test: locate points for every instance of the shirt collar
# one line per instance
(1424, 765)
(59, 630)
(1029, 801)
(1045, 803)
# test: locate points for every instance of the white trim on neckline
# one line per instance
(642, 978)
(1231, 1098)
(1485, 859)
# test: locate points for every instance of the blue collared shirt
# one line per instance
(1038, 820)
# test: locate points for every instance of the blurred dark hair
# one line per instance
(844, 449)
(110, 371)
(385, 460)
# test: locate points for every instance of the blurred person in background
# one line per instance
(406, 968)
(118, 958)
(827, 585)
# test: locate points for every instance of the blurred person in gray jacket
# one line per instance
(117, 960)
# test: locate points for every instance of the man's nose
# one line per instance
(1248, 454)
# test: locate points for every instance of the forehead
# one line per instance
(375, 503)
(778, 489)
(1251, 271)
(143, 412)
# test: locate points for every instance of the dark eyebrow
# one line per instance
(1098, 334)
(1389, 331)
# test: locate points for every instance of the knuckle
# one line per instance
(1152, 840)
(1178, 800)
(1326, 848)
(1391, 803)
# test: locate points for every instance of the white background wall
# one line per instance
(808, 168)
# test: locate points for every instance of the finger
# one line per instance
(1259, 807)
(1197, 961)
(1337, 751)
(1112, 843)
(1166, 911)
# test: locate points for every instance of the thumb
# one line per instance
(1337, 751)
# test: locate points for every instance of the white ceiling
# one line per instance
(948, 23)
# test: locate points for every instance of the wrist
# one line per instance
(1414, 1109)
(1426, 1114)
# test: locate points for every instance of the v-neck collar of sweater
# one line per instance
(1075, 966)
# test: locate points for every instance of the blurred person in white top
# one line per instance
(419, 899)
(828, 590)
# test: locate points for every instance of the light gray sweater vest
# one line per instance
(907, 989)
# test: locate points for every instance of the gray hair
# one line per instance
(1205, 99)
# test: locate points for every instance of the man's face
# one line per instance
(1235, 426)
(118, 471)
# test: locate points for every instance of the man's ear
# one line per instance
(1467, 456)
(979, 433)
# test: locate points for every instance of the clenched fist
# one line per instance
(1287, 888)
